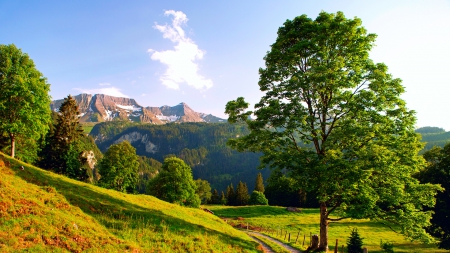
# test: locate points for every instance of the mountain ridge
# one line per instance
(101, 108)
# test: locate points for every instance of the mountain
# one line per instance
(100, 108)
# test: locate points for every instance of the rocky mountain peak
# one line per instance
(101, 107)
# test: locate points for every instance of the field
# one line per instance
(44, 212)
(306, 222)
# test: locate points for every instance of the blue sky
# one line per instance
(206, 53)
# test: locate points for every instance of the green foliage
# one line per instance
(354, 242)
(242, 196)
(24, 102)
(215, 197)
(201, 145)
(63, 146)
(438, 172)
(52, 213)
(259, 184)
(203, 190)
(258, 198)
(148, 169)
(175, 184)
(231, 195)
(223, 199)
(387, 247)
(119, 168)
(335, 121)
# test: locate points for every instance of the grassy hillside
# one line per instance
(42, 212)
(307, 222)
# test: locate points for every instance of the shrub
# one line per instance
(258, 198)
(354, 242)
(387, 247)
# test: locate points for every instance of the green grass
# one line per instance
(306, 222)
(87, 126)
(44, 212)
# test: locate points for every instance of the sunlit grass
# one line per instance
(307, 223)
(41, 212)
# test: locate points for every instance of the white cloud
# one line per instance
(181, 62)
(104, 84)
(113, 91)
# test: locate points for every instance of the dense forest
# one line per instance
(201, 145)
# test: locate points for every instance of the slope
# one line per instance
(41, 212)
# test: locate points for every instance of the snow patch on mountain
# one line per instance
(170, 118)
(130, 108)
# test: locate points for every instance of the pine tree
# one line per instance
(215, 199)
(61, 150)
(259, 185)
(354, 242)
(231, 195)
(242, 196)
(223, 199)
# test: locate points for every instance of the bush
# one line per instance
(354, 242)
(258, 198)
(387, 247)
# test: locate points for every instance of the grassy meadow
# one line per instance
(306, 222)
(44, 212)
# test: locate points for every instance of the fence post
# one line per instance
(342, 249)
(365, 250)
(304, 238)
(336, 247)
(285, 235)
(289, 238)
(297, 237)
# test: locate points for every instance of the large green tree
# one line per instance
(119, 168)
(24, 98)
(335, 121)
(175, 183)
(438, 172)
(203, 190)
(63, 147)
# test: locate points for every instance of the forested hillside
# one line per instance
(433, 136)
(201, 145)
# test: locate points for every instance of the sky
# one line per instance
(206, 53)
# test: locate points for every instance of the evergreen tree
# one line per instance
(231, 195)
(242, 196)
(354, 242)
(62, 150)
(259, 185)
(215, 198)
(223, 199)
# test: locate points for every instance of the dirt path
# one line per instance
(287, 247)
(265, 247)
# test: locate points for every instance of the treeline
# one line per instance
(201, 145)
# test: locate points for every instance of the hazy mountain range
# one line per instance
(100, 108)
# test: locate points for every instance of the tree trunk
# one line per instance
(13, 144)
(323, 243)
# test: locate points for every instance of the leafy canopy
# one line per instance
(335, 121)
(119, 168)
(24, 100)
(175, 183)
